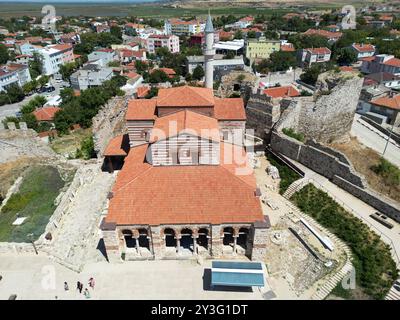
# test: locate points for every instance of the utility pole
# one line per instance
(391, 131)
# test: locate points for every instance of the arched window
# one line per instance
(243, 236)
(203, 238)
(130, 242)
(228, 236)
(170, 240)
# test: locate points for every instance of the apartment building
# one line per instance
(171, 42)
(181, 27)
(261, 48)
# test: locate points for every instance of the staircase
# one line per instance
(295, 187)
(330, 283)
(393, 294)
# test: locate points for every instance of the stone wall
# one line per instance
(330, 116)
(261, 114)
(109, 122)
(374, 199)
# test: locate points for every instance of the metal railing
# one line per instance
(347, 208)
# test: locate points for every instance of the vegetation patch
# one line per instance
(375, 269)
(293, 134)
(287, 175)
(35, 201)
(388, 171)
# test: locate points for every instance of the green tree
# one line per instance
(116, 32)
(346, 56)
(238, 34)
(15, 93)
(67, 69)
(4, 55)
(198, 73)
(310, 76)
(158, 76)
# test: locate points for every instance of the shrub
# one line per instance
(287, 175)
(389, 172)
(293, 134)
(375, 269)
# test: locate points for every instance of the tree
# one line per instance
(312, 73)
(238, 34)
(15, 93)
(312, 41)
(116, 32)
(198, 73)
(158, 76)
(4, 55)
(346, 56)
(67, 69)
(251, 34)
(35, 65)
(282, 61)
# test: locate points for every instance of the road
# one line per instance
(9, 110)
(375, 140)
(284, 79)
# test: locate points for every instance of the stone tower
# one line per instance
(209, 53)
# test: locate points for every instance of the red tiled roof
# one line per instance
(142, 91)
(346, 68)
(185, 96)
(229, 109)
(324, 33)
(388, 102)
(185, 122)
(132, 75)
(115, 147)
(183, 194)
(288, 48)
(364, 47)
(143, 109)
(394, 62)
(323, 50)
(281, 92)
(62, 47)
(45, 113)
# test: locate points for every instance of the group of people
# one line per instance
(79, 287)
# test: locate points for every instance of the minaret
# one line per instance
(209, 53)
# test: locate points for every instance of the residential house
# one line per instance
(363, 50)
(282, 92)
(330, 36)
(309, 56)
(46, 114)
(261, 48)
(171, 42)
(103, 56)
(13, 74)
(182, 27)
(386, 79)
(381, 63)
(90, 75)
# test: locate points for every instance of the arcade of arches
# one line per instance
(158, 242)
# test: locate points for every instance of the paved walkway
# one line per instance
(36, 277)
(358, 208)
(376, 140)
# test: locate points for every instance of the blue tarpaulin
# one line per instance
(238, 274)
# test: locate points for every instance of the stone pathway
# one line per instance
(77, 235)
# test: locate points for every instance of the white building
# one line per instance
(221, 66)
(54, 56)
(91, 75)
(363, 50)
(181, 27)
(13, 73)
(103, 57)
(171, 42)
(314, 55)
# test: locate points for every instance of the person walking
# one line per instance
(79, 286)
(86, 293)
(66, 288)
(91, 283)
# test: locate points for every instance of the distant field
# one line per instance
(8, 10)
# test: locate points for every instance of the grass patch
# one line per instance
(35, 200)
(375, 269)
(340, 292)
(287, 175)
(388, 171)
(70, 143)
(293, 134)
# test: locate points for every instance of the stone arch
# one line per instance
(186, 239)
(243, 236)
(228, 236)
(129, 240)
(170, 237)
(143, 238)
(203, 236)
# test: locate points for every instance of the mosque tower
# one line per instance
(209, 53)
